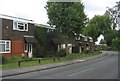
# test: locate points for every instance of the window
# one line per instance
(63, 46)
(20, 26)
(86, 39)
(77, 38)
(28, 48)
(91, 40)
(5, 46)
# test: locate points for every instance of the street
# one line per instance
(99, 68)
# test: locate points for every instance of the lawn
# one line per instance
(47, 60)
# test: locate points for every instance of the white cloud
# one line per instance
(97, 7)
(32, 9)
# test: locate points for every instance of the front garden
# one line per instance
(12, 62)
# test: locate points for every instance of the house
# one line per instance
(48, 28)
(56, 41)
(78, 44)
(85, 43)
(41, 34)
(16, 36)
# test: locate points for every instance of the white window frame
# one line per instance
(77, 38)
(5, 43)
(86, 39)
(26, 48)
(16, 27)
(91, 40)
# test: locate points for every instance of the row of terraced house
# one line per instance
(17, 36)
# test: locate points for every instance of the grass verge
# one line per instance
(48, 60)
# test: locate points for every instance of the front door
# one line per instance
(28, 48)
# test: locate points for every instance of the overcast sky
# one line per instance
(34, 9)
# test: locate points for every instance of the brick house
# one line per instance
(56, 41)
(85, 43)
(16, 36)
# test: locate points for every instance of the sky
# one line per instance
(34, 9)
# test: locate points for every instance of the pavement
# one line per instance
(23, 70)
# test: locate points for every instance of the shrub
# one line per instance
(50, 54)
(75, 49)
(61, 53)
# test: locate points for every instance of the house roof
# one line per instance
(15, 18)
(56, 41)
(30, 39)
(59, 38)
(72, 40)
(57, 35)
(44, 26)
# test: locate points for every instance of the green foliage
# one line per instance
(116, 42)
(50, 54)
(103, 41)
(12, 59)
(61, 53)
(41, 36)
(110, 35)
(67, 17)
(50, 60)
(98, 25)
(75, 49)
(113, 13)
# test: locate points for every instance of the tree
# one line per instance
(41, 36)
(67, 17)
(97, 25)
(114, 14)
(102, 41)
(116, 42)
(110, 35)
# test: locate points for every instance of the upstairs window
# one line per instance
(5, 46)
(20, 26)
(77, 38)
(85, 39)
(91, 40)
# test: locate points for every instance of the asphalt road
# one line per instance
(100, 68)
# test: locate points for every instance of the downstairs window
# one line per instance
(5, 46)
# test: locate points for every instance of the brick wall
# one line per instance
(17, 48)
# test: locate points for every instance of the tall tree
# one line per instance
(114, 14)
(116, 43)
(109, 36)
(97, 25)
(41, 36)
(68, 17)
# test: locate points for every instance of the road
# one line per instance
(100, 68)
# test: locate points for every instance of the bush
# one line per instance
(61, 53)
(75, 49)
(50, 54)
